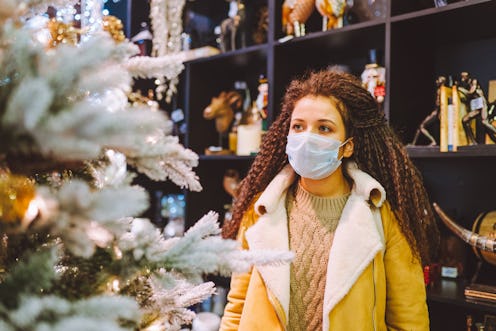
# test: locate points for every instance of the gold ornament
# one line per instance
(114, 26)
(62, 33)
(16, 193)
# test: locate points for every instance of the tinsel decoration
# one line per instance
(62, 33)
(166, 20)
(114, 26)
(149, 67)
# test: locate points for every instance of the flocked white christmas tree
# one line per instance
(73, 255)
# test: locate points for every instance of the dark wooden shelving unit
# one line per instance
(418, 43)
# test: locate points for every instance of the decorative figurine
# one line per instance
(143, 39)
(233, 28)
(201, 19)
(262, 28)
(433, 116)
(483, 241)
(374, 77)
(332, 12)
(295, 13)
(222, 109)
(262, 100)
(473, 96)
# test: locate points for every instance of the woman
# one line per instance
(318, 187)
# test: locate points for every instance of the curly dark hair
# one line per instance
(378, 151)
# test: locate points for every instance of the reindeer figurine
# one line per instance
(222, 109)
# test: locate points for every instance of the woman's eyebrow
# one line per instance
(327, 120)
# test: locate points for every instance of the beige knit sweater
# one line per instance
(312, 222)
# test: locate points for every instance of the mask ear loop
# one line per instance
(343, 144)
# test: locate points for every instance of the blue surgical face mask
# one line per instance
(313, 156)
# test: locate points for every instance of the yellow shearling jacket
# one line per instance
(373, 281)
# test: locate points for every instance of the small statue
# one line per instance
(263, 100)
(433, 116)
(143, 39)
(233, 28)
(332, 12)
(295, 13)
(262, 27)
(222, 109)
(473, 96)
(374, 77)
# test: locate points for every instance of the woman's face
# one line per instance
(319, 115)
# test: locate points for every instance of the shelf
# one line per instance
(437, 10)
(463, 151)
(338, 45)
(447, 24)
(341, 34)
(451, 292)
(227, 157)
(238, 55)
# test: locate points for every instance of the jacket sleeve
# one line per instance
(239, 282)
(406, 306)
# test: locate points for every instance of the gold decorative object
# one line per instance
(332, 12)
(62, 33)
(482, 238)
(222, 109)
(16, 193)
(114, 26)
(295, 13)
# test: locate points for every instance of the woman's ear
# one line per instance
(348, 148)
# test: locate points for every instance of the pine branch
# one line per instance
(55, 313)
(34, 273)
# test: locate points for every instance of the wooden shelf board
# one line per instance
(226, 158)
(451, 292)
(243, 52)
(434, 10)
(346, 29)
(463, 151)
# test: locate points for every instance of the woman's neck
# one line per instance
(333, 186)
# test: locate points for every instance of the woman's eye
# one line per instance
(297, 127)
(324, 128)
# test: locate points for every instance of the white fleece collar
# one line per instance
(363, 185)
(358, 237)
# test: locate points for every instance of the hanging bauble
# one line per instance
(16, 194)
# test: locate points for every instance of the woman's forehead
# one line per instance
(315, 108)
